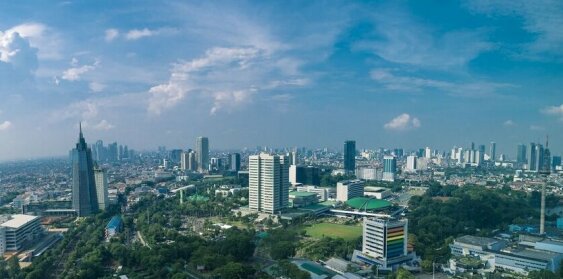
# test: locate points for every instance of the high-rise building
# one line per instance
(202, 153)
(546, 159)
(184, 163)
(192, 161)
(385, 239)
(411, 163)
(293, 158)
(493, 151)
(521, 154)
(350, 156)
(84, 198)
(349, 189)
(306, 175)
(235, 162)
(555, 162)
(539, 158)
(480, 155)
(268, 183)
(389, 168)
(428, 152)
(101, 178)
(532, 157)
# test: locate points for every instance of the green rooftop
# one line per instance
(301, 194)
(368, 203)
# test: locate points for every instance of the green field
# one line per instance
(334, 230)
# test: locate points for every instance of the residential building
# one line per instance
(268, 183)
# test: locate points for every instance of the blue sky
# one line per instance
(280, 73)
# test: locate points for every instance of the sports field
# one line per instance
(334, 230)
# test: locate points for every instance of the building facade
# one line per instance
(349, 156)
(268, 183)
(389, 168)
(20, 231)
(101, 178)
(235, 162)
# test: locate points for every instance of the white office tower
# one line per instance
(389, 168)
(411, 163)
(349, 189)
(368, 173)
(268, 183)
(293, 158)
(184, 160)
(428, 153)
(293, 174)
(385, 239)
(101, 179)
(2, 241)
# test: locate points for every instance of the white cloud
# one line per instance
(103, 125)
(136, 34)
(41, 37)
(96, 87)
(111, 34)
(74, 73)
(509, 123)
(403, 122)
(556, 111)
(5, 125)
(405, 83)
(229, 76)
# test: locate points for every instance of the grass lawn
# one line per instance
(334, 230)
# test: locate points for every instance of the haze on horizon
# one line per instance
(286, 73)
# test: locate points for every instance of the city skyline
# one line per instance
(384, 74)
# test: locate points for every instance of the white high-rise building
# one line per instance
(101, 179)
(411, 163)
(293, 174)
(385, 239)
(268, 183)
(184, 160)
(428, 153)
(349, 189)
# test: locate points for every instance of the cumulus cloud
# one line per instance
(556, 111)
(41, 37)
(111, 34)
(5, 125)
(103, 125)
(96, 86)
(75, 72)
(230, 77)
(403, 122)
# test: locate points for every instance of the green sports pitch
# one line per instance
(346, 232)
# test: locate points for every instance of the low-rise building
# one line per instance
(302, 199)
(114, 226)
(21, 230)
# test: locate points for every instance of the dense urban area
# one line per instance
(108, 211)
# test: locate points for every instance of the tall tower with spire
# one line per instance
(84, 199)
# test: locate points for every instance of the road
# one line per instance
(140, 236)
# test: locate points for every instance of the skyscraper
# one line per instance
(84, 197)
(202, 154)
(521, 154)
(350, 156)
(235, 162)
(539, 158)
(184, 163)
(532, 157)
(268, 183)
(493, 151)
(411, 163)
(101, 179)
(389, 168)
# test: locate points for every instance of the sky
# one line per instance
(280, 73)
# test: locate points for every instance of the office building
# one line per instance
(84, 197)
(493, 151)
(427, 153)
(531, 156)
(268, 183)
(384, 243)
(202, 154)
(101, 178)
(349, 189)
(2, 241)
(555, 162)
(369, 173)
(322, 193)
(20, 231)
(389, 168)
(349, 156)
(411, 164)
(192, 161)
(235, 162)
(175, 155)
(293, 158)
(480, 155)
(521, 154)
(184, 163)
(307, 175)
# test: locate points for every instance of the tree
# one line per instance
(234, 270)
(14, 271)
(542, 274)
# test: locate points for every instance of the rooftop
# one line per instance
(533, 254)
(114, 222)
(302, 194)
(367, 203)
(19, 220)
